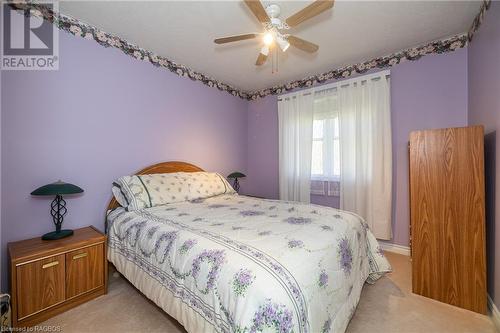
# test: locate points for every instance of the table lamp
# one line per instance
(58, 206)
(236, 175)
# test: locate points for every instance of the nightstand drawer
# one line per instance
(84, 270)
(40, 284)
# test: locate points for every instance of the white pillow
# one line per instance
(145, 191)
(119, 195)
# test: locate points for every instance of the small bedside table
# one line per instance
(50, 277)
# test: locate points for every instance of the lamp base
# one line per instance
(57, 235)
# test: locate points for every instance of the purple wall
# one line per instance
(101, 116)
(262, 148)
(429, 93)
(484, 109)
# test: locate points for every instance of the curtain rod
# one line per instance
(337, 84)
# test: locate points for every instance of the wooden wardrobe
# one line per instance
(447, 209)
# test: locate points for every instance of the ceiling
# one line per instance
(354, 31)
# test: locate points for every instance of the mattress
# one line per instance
(233, 263)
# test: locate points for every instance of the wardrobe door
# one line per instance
(447, 216)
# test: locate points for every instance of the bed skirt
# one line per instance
(161, 296)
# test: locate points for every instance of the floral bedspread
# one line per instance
(250, 265)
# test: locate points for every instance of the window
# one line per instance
(325, 163)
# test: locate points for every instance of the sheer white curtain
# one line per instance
(326, 147)
(366, 152)
(358, 110)
(295, 119)
(325, 166)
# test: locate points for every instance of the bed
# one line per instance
(232, 263)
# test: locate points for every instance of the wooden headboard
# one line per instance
(164, 167)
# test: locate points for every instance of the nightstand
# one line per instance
(48, 277)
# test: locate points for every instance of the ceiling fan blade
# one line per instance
(303, 44)
(235, 38)
(258, 10)
(261, 59)
(316, 8)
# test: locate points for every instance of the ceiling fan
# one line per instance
(275, 28)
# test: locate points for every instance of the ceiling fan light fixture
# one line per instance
(283, 43)
(268, 38)
(265, 50)
(276, 22)
(273, 11)
(273, 28)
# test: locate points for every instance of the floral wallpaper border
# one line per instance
(478, 19)
(437, 47)
(414, 53)
(80, 29)
(87, 31)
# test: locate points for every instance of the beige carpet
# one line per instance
(388, 306)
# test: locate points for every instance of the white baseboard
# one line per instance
(495, 314)
(395, 248)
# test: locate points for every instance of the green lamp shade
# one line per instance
(236, 175)
(58, 206)
(57, 188)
